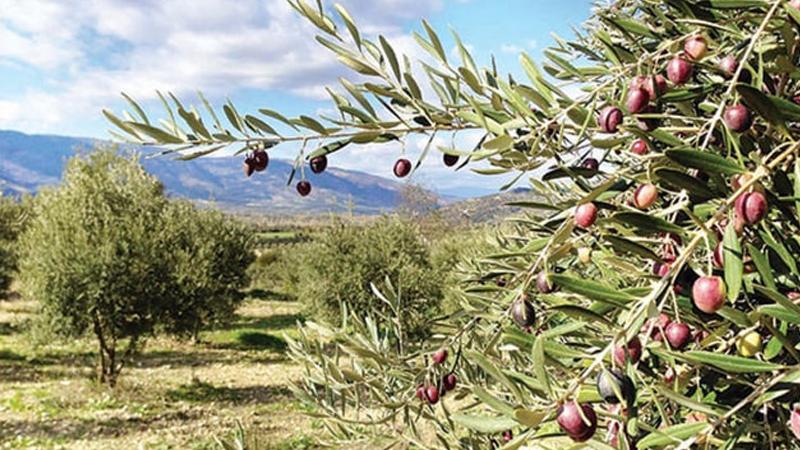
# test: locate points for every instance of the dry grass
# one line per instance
(174, 395)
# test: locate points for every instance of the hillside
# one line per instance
(28, 162)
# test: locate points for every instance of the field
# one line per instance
(174, 395)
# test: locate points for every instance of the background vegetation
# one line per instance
(226, 385)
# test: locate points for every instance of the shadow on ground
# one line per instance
(200, 391)
(74, 429)
(273, 322)
(265, 294)
(8, 329)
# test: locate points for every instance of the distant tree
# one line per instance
(14, 215)
(340, 266)
(209, 256)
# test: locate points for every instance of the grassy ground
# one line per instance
(174, 395)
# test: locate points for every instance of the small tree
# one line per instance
(663, 274)
(209, 255)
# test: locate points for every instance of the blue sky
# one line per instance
(62, 61)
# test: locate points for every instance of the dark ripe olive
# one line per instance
(613, 386)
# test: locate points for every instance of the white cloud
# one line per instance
(514, 48)
(511, 48)
(89, 51)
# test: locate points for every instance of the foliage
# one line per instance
(14, 216)
(278, 269)
(697, 137)
(107, 253)
(94, 255)
(209, 256)
(344, 262)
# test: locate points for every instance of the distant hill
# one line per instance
(488, 208)
(28, 162)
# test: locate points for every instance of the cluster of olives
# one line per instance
(431, 392)
(257, 161)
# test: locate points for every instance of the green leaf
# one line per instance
(729, 363)
(198, 154)
(328, 148)
(687, 402)
(158, 135)
(484, 424)
(760, 102)
(136, 108)
(571, 172)
(313, 125)
(391, 56)
(493, 402)
(413, 87)
(671, 435)
(778, 298)
(356, 93)
(732, 258)
(120, 124)
(471, 79)
(194, 123)
(688, 94)
(666, 138)
(793, 12)
(632, 26)
(435, 41)
(779, 312)
(540, 366)
(259, 124)
(277, 116)
(705, 161)
(499, 143)
(789, 109)
(536, 78)
(682, 180)
(738, 4)
(233, 117)
(762, 265)
(529, 418)
(592, 290)
(627, 246)
(492, 371)
(581, 313)
(349, 23)
(646, 222)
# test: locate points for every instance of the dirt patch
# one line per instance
(174, 395)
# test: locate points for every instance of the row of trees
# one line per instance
(107, 253)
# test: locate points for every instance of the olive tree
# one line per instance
(209, 254)
(660, 270)
(107, 253)
(94, 256)
(345, 263)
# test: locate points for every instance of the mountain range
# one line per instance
(28, 162)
